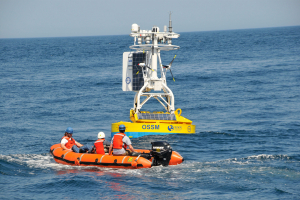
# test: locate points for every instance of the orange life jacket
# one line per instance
(70, 143)
(118, 143)
(99, 146)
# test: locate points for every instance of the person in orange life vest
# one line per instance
(99, 144)
(120, 142)
(68, 143)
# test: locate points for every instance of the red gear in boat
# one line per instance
(118, 141)
(99, 146)
(70, 143)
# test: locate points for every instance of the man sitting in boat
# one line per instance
(68, 143)
(120, 142)
(98, 147)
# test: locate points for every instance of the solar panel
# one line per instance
(137, 73)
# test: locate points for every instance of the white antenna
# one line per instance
(170, 23)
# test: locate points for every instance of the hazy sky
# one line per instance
(59, 18)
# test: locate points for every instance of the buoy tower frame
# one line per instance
(149, 69)
(140, 74)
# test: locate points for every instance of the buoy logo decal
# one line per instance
(128, 80)
(170, 128)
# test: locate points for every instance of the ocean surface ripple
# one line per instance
(241, 88)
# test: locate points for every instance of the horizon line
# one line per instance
(129, 33)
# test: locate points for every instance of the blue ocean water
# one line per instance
(241, 88)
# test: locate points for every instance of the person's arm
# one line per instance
(110, 148)
(63, 146)
(131, 148)
(78, 144)
(127, 141)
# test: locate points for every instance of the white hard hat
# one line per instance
(101, 135)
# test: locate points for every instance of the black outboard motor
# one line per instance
(161, 152)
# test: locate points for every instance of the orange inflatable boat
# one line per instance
(160, 154)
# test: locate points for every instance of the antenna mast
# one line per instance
(170, 23)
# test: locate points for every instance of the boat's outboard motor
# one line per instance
(161, 152)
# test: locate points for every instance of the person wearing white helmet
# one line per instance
(99, 147)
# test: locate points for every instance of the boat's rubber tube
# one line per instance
(126, 162)
(98, 160)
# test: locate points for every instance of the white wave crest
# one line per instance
(265, 156)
